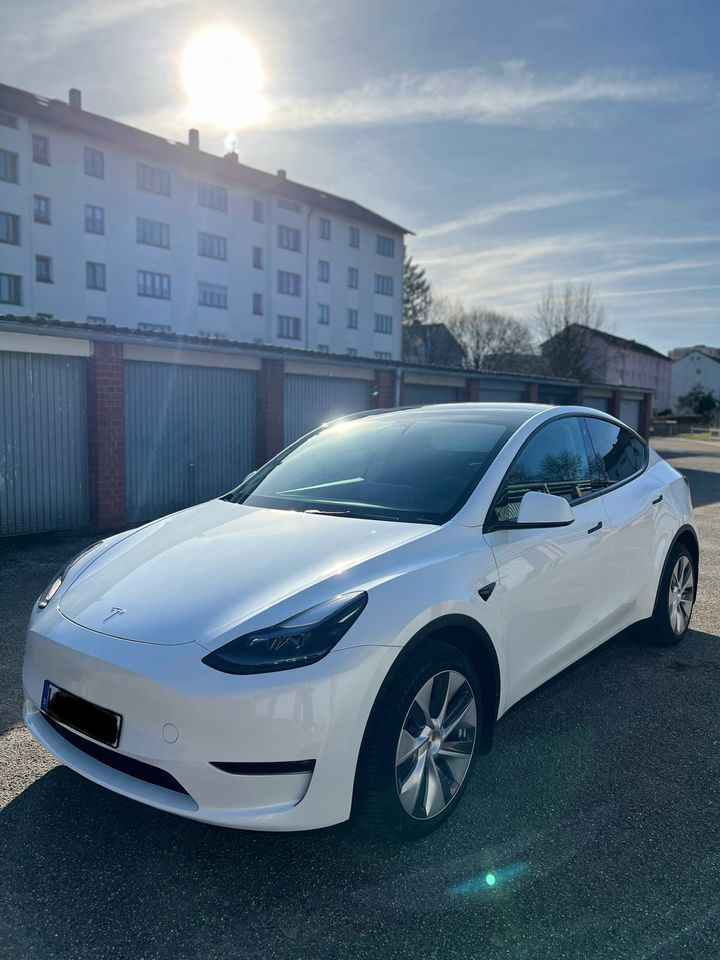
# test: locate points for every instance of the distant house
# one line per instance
(677, 353)
(617, 360)
(696, 368)
(431, 343)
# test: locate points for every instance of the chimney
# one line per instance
(194, 139)
(231, 155)
(282, 174)
(75, 98)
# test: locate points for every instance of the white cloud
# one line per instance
(509, 96)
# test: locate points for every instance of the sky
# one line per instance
(523, 142)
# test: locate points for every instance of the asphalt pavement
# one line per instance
(590, 831)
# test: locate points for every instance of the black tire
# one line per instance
(659, 630)
(377, 806)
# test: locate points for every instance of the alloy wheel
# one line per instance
(681, 594)
(436, 744)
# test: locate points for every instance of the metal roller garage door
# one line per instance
(43, 443)
(597, 403)
(189, 435)
(310, 401)
(429, 393)
(630, 413)
(495, 391)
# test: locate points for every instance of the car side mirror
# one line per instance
(544, 510)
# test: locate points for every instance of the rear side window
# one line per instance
(618, 453)
(555, 461)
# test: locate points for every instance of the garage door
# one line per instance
(630, 413)
(43, 443)
(189, 435)
(597, 403)
(310, 401)
(416, 393)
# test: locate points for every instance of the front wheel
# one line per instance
(675, 600)
(420, 743)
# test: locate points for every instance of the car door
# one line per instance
(553, 582)
(633, 500)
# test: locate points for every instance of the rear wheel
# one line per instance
(420, 743)
(675, 600)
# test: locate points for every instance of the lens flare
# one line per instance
(223, 78)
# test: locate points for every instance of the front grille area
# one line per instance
(133, 768)
(263, 769)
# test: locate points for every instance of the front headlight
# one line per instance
(57, 581)
(303, 639)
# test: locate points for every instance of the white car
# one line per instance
(340, 633)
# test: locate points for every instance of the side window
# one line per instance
(618, 453)
(554, 461)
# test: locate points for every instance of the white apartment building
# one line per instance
(104, 223)
(697, 368)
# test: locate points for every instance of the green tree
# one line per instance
(699, 401)
(417, 294)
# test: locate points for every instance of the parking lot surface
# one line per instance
(591, 830)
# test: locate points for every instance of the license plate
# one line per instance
(81, 715)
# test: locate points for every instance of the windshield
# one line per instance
(413, 466)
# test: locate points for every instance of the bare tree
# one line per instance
(565, 322)
(489, 339)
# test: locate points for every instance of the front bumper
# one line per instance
(165, 693)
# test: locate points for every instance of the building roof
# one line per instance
(627, 344)
(703, 353)
(225, 169)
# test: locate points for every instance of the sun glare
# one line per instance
(223, 78)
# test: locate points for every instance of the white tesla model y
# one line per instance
(340, 633)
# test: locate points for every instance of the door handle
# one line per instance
(597, 526)
(658, 500)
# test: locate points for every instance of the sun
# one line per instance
(223, 78)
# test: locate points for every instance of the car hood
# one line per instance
(189, 575)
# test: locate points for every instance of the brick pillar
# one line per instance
(383, 393)
(645, 415)
(472, 390)
(106, 435)
(531, 394)
(579, 396)
(270, 410)
(614, 406)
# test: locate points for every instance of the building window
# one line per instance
(154, 233)
(153, 179)
(324, 271)
(155, 327)
(10, 289)
(354, 236)
(323, 313)
(155, 285)
(325, 228)
(257, 301)
(289, 283)
(385, 246)
(94, 219)
(41, 209)
(8, 120)
(352, 319)
(323, 348)
(43, 269)
(258, 211)
(41, 149)
(351, 351)
(288, 238)
(94, 162)
(212, 245)
(383, 323)
(8, 166)
(9, 228)
(383, 355)
(94, 275)
(212, 196)
(289, 328)
(212, 295)
(257, 258)
(383, 285)
(290, 205)
(352, 278)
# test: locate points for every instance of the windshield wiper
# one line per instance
(329, 513)
(354, 514)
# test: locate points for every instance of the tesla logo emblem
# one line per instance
(114, 612)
